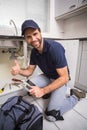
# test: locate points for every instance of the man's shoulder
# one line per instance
(53, 43)
(50, 41)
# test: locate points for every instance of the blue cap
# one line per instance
(29, 24)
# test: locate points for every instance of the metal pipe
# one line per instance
(12, 22)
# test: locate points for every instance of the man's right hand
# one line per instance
(16, 68)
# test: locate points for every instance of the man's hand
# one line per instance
(36, 91)
(16, 68)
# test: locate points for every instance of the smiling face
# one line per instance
(34, 38)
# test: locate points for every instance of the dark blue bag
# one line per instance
(17, 114)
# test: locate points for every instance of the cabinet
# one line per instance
(82, 3)
(81, 78)
(71, 52)
(62, 6)
(66, 9)
(9, 48)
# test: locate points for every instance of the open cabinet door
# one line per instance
(81, 72)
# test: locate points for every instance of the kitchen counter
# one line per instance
(22, 38)
(10, 41)
(11, 37)
(81, 38)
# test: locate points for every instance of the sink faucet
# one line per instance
(12, 22)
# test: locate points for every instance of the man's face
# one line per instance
(33, 37)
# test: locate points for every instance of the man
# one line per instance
(50, 57)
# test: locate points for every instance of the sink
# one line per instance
(9, 43)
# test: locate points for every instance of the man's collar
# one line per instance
(44, 46)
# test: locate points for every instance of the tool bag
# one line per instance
(17, 114)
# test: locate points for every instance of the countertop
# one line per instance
(22, 38)
(11, 37)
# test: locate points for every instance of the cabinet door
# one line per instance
(64, 6)
(81, 79)
(82, 3)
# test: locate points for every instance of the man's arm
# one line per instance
(63, 79)
(25, 72)
(57, 83)
(28, 71)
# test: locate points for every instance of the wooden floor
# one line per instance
(74, 119)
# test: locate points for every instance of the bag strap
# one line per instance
(19, 120)
(22, 116)
(18, 102)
